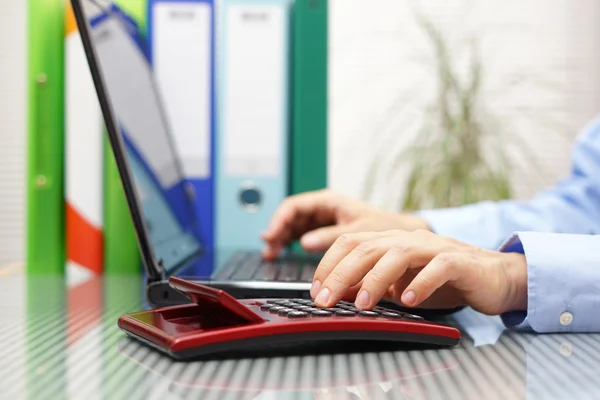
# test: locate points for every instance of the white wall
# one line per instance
(12, 130)
(374, 79)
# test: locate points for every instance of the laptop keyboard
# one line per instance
(245, 266)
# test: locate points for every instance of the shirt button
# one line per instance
(566, 318)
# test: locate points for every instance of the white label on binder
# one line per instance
(255, 90)
(182, 62)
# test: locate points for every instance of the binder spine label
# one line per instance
(255, 95)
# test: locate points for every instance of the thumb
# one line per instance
(322, 238)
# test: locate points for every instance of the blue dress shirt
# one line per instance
(556, 232)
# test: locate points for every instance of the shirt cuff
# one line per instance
(563, 282)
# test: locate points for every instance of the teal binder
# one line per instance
(308, 143)
(309, 104)
(253, 118)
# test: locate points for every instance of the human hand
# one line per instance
(319, 218)
(419, 268)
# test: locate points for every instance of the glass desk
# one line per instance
(62, 342)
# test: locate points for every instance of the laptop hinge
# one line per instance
(159, 266)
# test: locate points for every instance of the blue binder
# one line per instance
(159, 184)
(181, 52)
(253, 127)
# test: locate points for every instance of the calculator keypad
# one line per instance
(303, 308)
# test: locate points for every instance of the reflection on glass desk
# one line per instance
(61, 342)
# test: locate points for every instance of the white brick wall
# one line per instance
(12, 129)
(374, 42)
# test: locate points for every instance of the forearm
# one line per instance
(563, 282)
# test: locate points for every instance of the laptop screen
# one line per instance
(166, 200)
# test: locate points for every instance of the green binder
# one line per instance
(45, 183)
(121, 251)
(136, 9)
(309, 103)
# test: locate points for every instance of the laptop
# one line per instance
(160, 203)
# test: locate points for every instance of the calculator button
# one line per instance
(284, 311)
(275, 309)
(271, 301)
(266, 306)
(284, 303)
(344, 313)
(297, 314)
(392, 314)
(304, 308)
(321, 313)
(412, 316)
(368, 314)
(301, 301)
(332, 309)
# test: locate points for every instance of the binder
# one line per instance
(309, 104)
(181, 52)
(149, 149)
(308, 147)
(83, 159)
(253, 118)
(136, 9)
(45, 205)
(121, 250)
(84, 217)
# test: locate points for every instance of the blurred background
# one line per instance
(425, 98)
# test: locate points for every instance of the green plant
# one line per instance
(462, 151)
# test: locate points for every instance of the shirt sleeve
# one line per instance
(563, 282)
(571, 206)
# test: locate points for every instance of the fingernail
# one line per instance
(362, 301)
(323, 297)
(408, 298)
(316, 286)
(309, 240)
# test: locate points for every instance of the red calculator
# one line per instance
(217, 322)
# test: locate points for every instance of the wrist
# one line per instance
(516, 269)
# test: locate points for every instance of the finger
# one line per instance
(271, 251)
(389, 269)
(290, 231)
(410, 250)
(323, 238)
(340, 248)
(442, 269)
(352, 292)
(305, 203)
(395, 291)
(353, 267)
